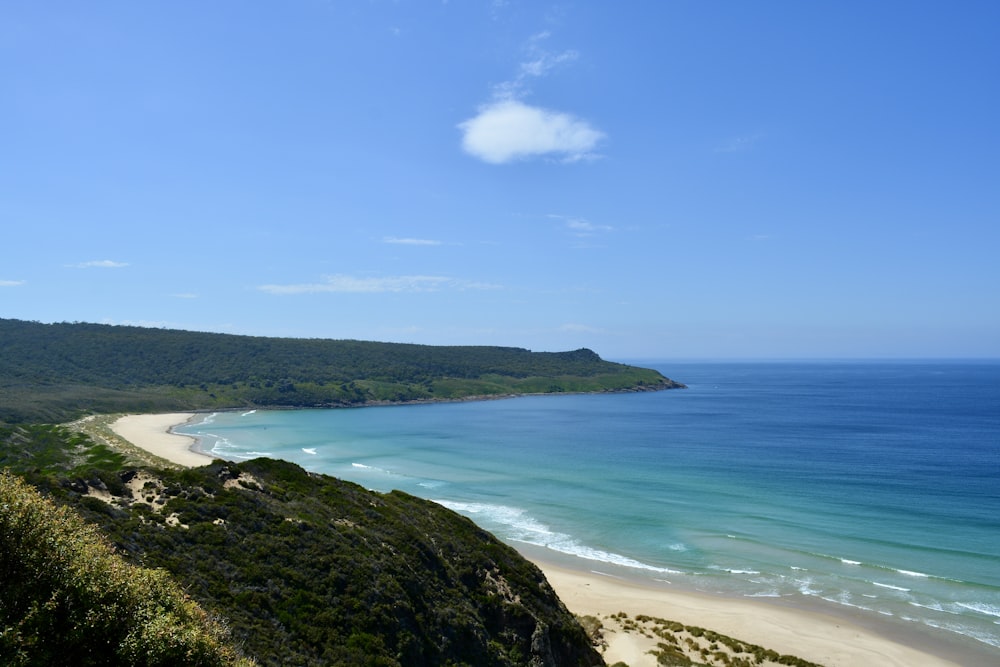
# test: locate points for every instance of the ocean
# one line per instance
(866, 487)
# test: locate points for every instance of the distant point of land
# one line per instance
(57, 372)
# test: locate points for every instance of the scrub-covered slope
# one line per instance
(53, 372)
(306, 569)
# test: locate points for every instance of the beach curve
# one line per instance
(827, 640)
(154, 434)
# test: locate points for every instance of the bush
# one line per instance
(67, 598)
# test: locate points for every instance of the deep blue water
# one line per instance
(870, 486)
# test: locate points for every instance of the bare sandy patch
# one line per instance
(826, 640)
(152, 433)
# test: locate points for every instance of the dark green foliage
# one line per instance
(310, 570)
(306, 570)
(27, 447)
(67, 599)
(51, 372)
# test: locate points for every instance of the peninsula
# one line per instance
(57, 372)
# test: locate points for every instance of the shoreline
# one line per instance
(805, 631)
(155, 434)
(812, 634)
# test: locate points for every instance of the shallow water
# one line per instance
(873, 487)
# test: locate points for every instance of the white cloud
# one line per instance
(352, 284)
(185, 295)
(509, 130)
(11, 283)
(407, 241)
(99, 264)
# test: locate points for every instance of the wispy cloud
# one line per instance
(373, 285)
(581, 328)
(506, 129)
(496, 7)
(581, 226)
(738, 144)
(587, 228)
(408, 241)
(99, 264)
(539, 63)
(184, 295)
(11, 283)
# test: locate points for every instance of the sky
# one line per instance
(652, 180)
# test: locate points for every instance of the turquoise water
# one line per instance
(870, 487)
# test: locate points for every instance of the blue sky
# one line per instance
(648, 179)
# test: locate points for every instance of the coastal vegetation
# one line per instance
(67, 599)
(679, 645)
(108, 555)
(57, 372)
(305, 569)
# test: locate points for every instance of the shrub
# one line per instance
(67, 598)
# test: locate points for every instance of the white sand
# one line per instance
(827, 640)
(152, 433)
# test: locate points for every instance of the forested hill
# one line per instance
(50, 372)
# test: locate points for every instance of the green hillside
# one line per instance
(67, 599)
(54, 372)
(301, 569)
(282, 567)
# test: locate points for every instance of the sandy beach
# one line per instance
(824, 639)
(152, 433)
(815, 637)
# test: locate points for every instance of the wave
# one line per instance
(250, 455)
(362, 466)
(208, 419)
(731, 570)
(844, 600)
(909, 573)
(397, 476)
(309, 450)
(521, 527)
(248, 413)
(806, 588)
(222, 445)
(886, 568)
(982, 608)
(890, 586)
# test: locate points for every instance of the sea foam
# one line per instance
(519, 526)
